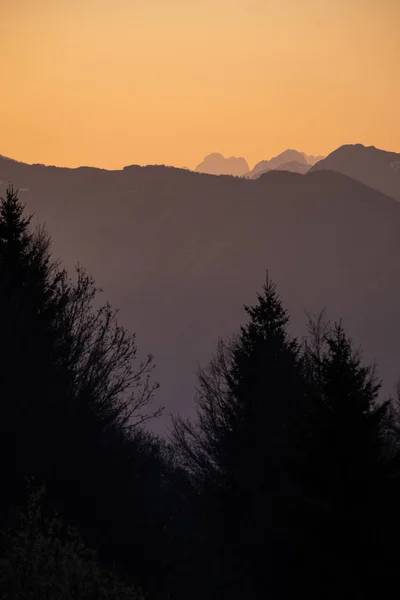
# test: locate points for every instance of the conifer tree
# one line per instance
(345, 469)
(28, 309)
(241, 447)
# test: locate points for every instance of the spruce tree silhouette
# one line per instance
(239, 451)
(28, 306)
(344, 475)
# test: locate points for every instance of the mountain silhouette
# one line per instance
(293, 166)
(181, 252)
(311, 159)
(217, 164)
(286, 157)
(376, 168)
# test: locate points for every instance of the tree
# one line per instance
(71, 398)
(239, 450)
(28, 307)
(344, 471)
(287, 456)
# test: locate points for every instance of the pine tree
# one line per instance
(241, 448)
(28, 308)
(344, 473)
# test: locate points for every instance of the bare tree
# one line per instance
(102, 354)
(198, 442)
(99, 354)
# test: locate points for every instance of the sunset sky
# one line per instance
(110, 83)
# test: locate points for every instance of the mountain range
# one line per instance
(374, 167)
(180, 252)
(289, 160)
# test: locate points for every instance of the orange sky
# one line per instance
(115, 82)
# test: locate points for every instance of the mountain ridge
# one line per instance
(380, 169)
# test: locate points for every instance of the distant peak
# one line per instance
(295, 160)
(214, 155)
(216, 164)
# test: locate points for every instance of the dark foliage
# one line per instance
(47, 559)
(71, 402)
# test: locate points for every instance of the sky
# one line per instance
(112, 83)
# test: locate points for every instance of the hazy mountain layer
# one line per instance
(289, 160)
(293, 166)
(311, 159)
(217, 164)
(180, 252)
(277, 161)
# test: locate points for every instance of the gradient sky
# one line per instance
(115, 82)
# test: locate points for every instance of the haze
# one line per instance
(112, 83)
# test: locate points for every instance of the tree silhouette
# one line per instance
(239, 450)
(287, 456)
(344, 474)
(71, 399)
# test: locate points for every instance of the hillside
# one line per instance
(180, 252)
(376, 168)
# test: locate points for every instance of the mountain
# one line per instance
(286, 157)
(293, 166)
(289, 160)
(311, 159)
(181, 252)
(217, 164)
(376, 168)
